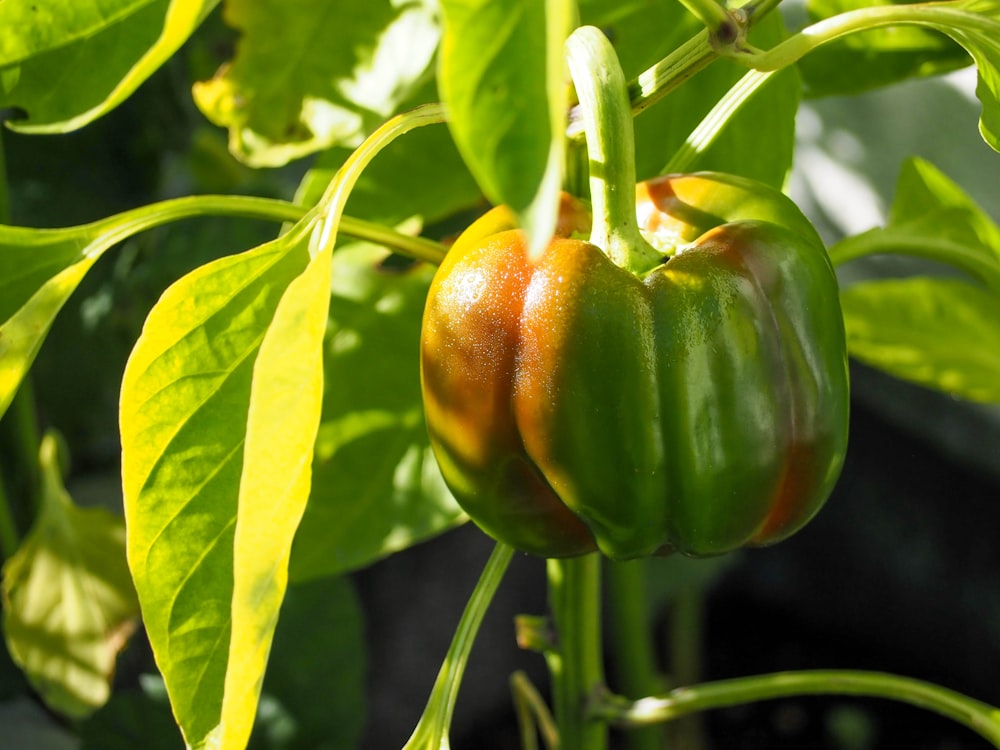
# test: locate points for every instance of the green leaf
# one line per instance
(759, 140)
(974, 24)
(69, 604)
(931, 217)
(982, 41)
(501, 77)
(64, 64)
(187, 420)
(285, 403)
(376, 485)
(929, 203)
(41, 268)
(940, 333)
(354, 63)
(313, 694)
(875, 58)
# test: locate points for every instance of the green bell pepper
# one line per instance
(699, 406)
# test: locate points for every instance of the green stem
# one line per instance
(576, 665)
(533, 715)
(938, 16)
(693, 56)
(889, 241)
(977, 716)
(431, 732)
(635, 661)
(685, 647)
(709, 12)
(603, 94)
(418, 248)
(129, 223)
(331, 205)
(685, 635)
(715, 121)
(671, 72)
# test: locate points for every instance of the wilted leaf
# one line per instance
(69, 605)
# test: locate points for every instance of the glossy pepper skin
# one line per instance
(699, 407)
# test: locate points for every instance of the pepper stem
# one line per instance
(576, 664)
(607, 120)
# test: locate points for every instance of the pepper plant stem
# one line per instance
(977, 716)
(680, 65)
(334, 198)
(709, 12)
(687, 627)
(576, 665)
(635, 660)
(715, 121)
(137, 220)
(603, 94)
(937, 16)
(431, 732)
(668, 74)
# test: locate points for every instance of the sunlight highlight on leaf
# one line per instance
(184, 416)
(940, 333)
(984, 46)
(220, 404)
(356, 61)
(285, 404)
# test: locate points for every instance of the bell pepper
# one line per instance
(676, 383)
(701, 407)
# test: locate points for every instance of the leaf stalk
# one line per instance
(980, 717)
